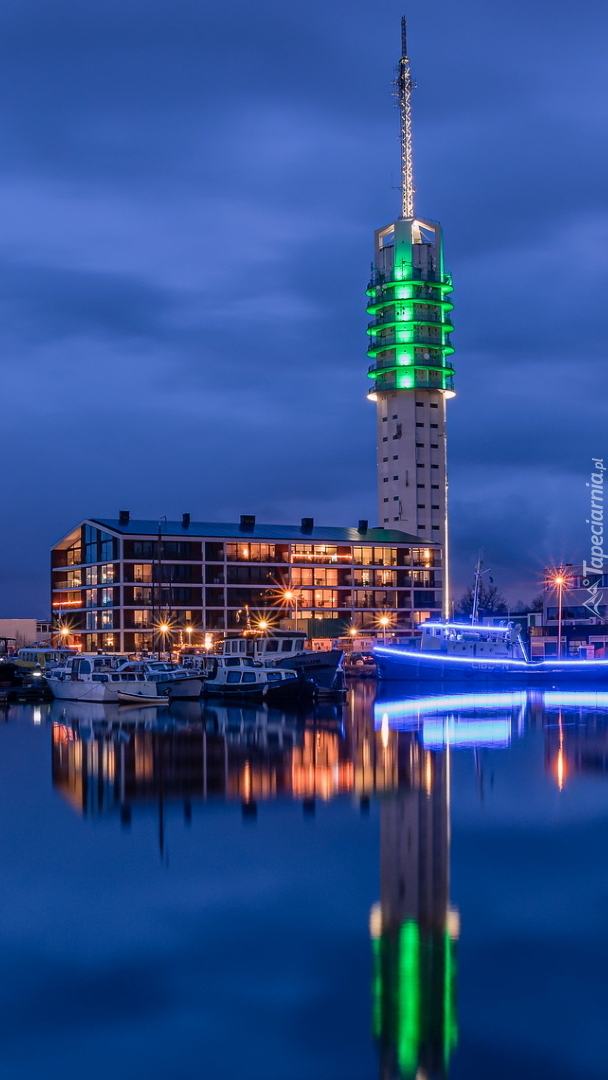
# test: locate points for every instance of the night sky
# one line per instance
(188, 193)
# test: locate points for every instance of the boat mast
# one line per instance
(476, 589)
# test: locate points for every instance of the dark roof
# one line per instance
(231, 531)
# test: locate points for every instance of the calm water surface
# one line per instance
(406, 888)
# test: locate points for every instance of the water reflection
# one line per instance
(108, 760)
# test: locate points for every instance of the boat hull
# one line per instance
(419, 668)
(181, 689)
(320, 666)
(103, 692)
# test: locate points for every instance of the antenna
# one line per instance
(405, 85)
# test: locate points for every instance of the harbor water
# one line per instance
(406, 887)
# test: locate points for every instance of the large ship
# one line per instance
(457, 652)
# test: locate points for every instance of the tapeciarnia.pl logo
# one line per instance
(592, 573)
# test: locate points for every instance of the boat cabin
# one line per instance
(281, 644)
(462, 639)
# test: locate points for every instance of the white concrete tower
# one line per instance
(410, 346)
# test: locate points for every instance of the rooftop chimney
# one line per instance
(308, 525)
(124, 516)
(363, 524)
(247, 523)
(185, 521)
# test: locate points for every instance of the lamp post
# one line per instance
(164, 629)
(289, 595)
(384, 621)
(559, 581)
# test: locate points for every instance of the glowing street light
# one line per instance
(560, 581)
(289, 595)
(384, 621)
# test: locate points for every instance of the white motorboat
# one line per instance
(97, 677)
(170, 679)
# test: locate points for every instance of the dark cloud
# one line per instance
(188, 194)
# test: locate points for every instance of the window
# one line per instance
(385, 480)
(434, 487)
(434, 405)
(395, 498)
(142, 595)
(90, 598)
(434, 446)
(420, 404)
(234, 677)
(106, 573)
(91, 575)
(384, 419)
(435, 527)
(396, 519)
(435, 506)
(422, 425)
(420, 444)
(394, 416)
(248, 676)
(421, 506)
(434, 425)
(386, 519)
(107, 597)
(385, 459)
(419, 485)
(395, 457)
(434, 466)
(395, 477)
(142, 572)
(386, 499)
(385, 439)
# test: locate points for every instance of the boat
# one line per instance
(240, 676)
(457, 652)
(283, 649)
(171, 679)
(125, 698)
(97, 677)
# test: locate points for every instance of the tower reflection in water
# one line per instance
(104, 762)
(413, 928)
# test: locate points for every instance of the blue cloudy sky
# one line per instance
(188, 193)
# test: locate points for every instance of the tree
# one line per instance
(489, 602)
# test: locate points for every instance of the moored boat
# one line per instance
(457, 652)
(97, 677)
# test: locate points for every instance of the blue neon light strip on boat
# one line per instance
(445, 658)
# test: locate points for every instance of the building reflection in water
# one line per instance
(400, 751)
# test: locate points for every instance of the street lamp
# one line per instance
(559, 579)
(164, 629)
(384, 622)
(289, 596)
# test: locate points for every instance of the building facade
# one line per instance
(412, 374)
(117, 582)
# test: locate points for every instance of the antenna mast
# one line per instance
(405, 85)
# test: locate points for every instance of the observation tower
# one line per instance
(412, 375)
